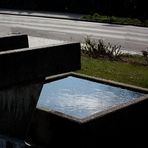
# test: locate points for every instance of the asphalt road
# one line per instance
(131, 38)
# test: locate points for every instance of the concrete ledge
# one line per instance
(13, 42)
(96, 79)
(29, 64)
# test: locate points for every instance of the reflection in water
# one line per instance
(10, 143)
(16, 107)
(81, 98)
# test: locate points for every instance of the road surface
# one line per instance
(131, 38)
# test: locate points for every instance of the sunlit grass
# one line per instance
(115, 70)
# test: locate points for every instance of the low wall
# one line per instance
(13, 42)
(30, 64)
(22, 73)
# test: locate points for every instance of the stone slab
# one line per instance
(11, 42)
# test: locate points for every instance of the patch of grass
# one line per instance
(115, 20)
(134, 59)
(115, 70)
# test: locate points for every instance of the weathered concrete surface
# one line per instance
(11, 42)
(29, 64)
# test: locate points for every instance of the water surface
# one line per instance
(81, 98)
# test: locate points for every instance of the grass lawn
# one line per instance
(115, 70)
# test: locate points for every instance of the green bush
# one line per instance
(145, 54)
(98, 48)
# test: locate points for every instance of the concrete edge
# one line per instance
(111, 82)
(36, 48)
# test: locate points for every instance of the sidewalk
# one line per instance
(59, 15)
(4, 30)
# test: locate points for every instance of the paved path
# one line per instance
(4, 30)
(131, 38)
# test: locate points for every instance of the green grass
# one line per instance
(115, 20)
(135, 59)
(115, 70)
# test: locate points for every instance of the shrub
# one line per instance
(98, 48)
(145, 54)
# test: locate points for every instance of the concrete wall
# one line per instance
(13, 42)
(29, 64)
(22, 73)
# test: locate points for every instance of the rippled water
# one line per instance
(81, 98)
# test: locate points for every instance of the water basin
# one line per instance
(80, 99)
(75, 110)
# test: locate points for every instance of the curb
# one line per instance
(40, 14)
